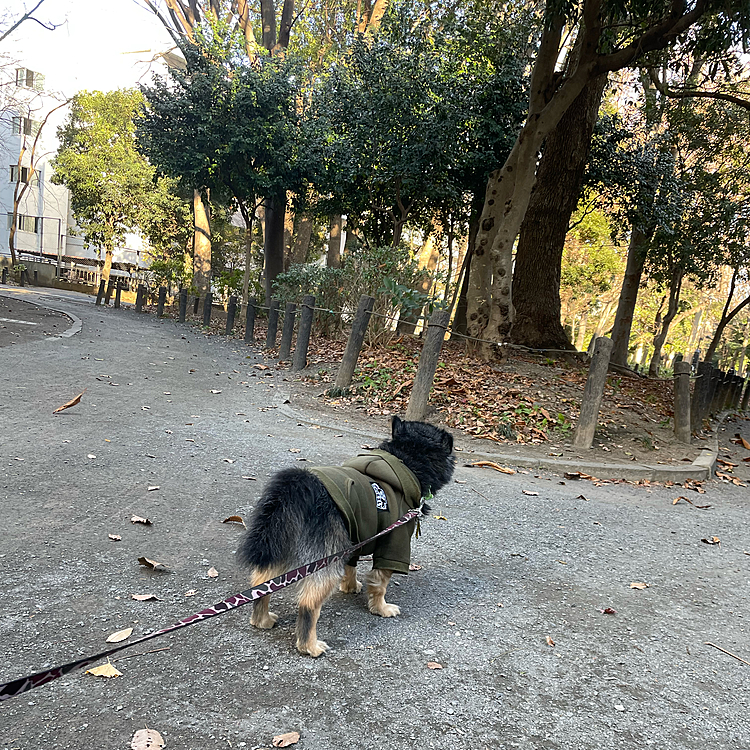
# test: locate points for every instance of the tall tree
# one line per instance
(608, 37)
(110, 183)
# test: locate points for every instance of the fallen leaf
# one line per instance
(712, 540)
(639, 585)
(192, 592)
(138, 519)
(260, 367)
(105, 670)
(414, 566)
(152, 564)
(215, 391)
(294, 450)
(147, 739)
(550, 642)
(228, 460)
(284, 740)
(154, 487)
(528, 492)
(213, 573)
(145, 597)
(250, 478)
(120, 635)
(493, 465)
(688, 500)
(115, 537)
(440, 518)
(70, 403)
(434, 665)
(608, 611)
(234, 519)
(91, 455)
(582, 497)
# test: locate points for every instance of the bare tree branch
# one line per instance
(29, 17)
(662, 88)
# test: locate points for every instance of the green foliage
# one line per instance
(363, 271)
(113, 188)
(171, 271)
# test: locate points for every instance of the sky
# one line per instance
(99, 45)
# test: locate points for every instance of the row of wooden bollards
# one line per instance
(715, 391)
(431, 348)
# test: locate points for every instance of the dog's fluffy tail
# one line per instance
(295, 522)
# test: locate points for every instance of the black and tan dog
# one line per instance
(304, 515)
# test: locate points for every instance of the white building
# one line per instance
(45, 238)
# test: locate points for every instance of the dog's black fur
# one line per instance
(296, 521)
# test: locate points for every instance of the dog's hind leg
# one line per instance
(313, 593)
(377, 583)
(261, 617)
(349, 583)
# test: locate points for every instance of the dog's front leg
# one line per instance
(377, 583)
(349, 583)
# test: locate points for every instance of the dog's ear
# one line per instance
(396, 426)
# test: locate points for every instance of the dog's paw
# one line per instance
(314, 650)
(348, 588)
(385, 610)
(266, 622)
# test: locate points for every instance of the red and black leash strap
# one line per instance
(24, 684)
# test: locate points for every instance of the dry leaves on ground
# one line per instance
(115, 537)
(550, 642)
(213, 573)
(234, 519)
(152, 564)
(639, 585)
(147, 739)
(492, 465)
(120, 635)
(434, 665)
(284, 740)
(140, 519)
(104, 670)
(711, 540)
(145, 597)
(688, 500)
(70, 403)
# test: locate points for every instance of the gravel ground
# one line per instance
(505, 572)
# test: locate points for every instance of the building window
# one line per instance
(24, 174)
(25, 126)
(26, 223)
(29, 78)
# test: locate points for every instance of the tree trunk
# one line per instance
(289, 221)
(603, 322)
(106, 271)
(675, 287)
(536, 276)
(694, 333)
(201, 244)
(628, 295)
(248, 219)
(428, 258)
(333, 258)
(274, 242)
(582, 325)
(726, 318)
(268, 21)
(302, 238)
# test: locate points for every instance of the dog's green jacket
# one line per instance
(350, 486)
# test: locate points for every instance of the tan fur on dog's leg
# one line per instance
(377, 583)
(349, 583)
(313, 593)
(261, 617)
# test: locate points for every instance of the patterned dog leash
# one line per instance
(11, 689)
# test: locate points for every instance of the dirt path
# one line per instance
(517, 560)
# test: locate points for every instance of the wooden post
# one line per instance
(700, 403)
(110, 287)
(207, 302)
(196, 304)
(737, 391)
(5, 275)
(354, 343)
(273, 324)
(161, 301)
(118, 293)
(428, 361)
(231, 312)
(592, 393)
(250, 320)
(99, 294)
(303, 334)
(285, 347)
(183, 304)
(714, 388)
(682, 401)
(139, 298)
